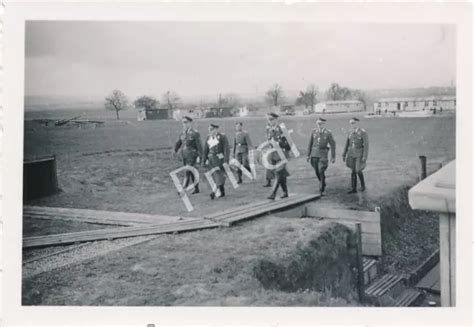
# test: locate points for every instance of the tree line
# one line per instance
(118, 101)
(274, 96)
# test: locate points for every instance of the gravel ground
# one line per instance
(47, 259)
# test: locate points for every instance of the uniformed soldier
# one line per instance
(355, 153)
(318, 149)
(216, 153)
(189, 147)
(242, 144)
(275, 134)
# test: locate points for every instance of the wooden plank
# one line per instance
(371, 249)
(367, 227)
(100, 216)
(272, 206)
(264, 206)
(81, 219)
(130, 229)
(430, 280)
(371, 229)
(114, 233)
(313, 210)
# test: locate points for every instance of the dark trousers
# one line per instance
(189, 177)
(320, 165)
(243, 159)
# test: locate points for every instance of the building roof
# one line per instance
(410, 99)
(342, 102)
(436, 192)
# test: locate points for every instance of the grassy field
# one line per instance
(124, 166)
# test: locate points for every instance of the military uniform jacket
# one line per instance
(189, 145)
(357, 144)
(276, 134)
(319, 141)
(242, 142)
(216, 150)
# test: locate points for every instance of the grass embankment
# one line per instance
(409, 236)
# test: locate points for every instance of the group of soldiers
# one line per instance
(216, 152)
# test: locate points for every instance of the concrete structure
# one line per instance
(338, 106)
(153, 114)
(439, 103)
(437, 193)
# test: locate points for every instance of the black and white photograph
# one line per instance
(223, 163)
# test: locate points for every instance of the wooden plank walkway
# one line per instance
(249, 211)
(98, 216)
(114, 233)
(370, 223)
(148, 224)
(431, 281)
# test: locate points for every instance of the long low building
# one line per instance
(339, 106)
(438, 103)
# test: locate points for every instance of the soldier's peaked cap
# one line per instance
(187, 118)
(355, 118)
(321, 119)
(214, 126)
(274, 115)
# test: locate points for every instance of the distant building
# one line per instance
(219, 112)
(193, 112)
(339, 106)
(153, 114)
(437, 103)
(287, 109)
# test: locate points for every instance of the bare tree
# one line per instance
(171, 99)
(275, 95)
(146, 102)
(337, 92)
(362, 97)
(117, 101)
(229, 100)
(308, 97)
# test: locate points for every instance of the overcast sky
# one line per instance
(92, 58)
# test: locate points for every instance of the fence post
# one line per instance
(423, 167)
(360, 268)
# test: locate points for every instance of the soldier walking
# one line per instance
(276, 138)
(355, 153)
(189, 147)
(242, 144)
(318, 150)
(216, 153)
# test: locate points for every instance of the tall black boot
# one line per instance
(239, 177)
(275, 189)
(353, 183)
(196, 189)
(269, 183)
(186, 180)
(362, 181)
(323, 184)
(284, 187)
(222, 190)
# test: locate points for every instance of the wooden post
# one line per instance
(423, 167)
(360, 267)
(447, 238)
